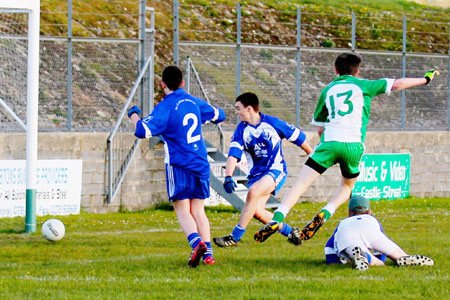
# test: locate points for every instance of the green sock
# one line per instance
(327, 214)
(278, 216)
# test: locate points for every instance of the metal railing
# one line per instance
(121, 143)
(213, 133)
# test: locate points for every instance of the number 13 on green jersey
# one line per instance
(343, 108)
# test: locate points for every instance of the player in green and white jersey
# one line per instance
(341, 114)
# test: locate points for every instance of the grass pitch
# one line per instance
(143, 255)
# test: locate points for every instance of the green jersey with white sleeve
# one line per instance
(343, 108)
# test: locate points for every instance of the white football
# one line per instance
(53, 230)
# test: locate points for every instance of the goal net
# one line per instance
(13, 68)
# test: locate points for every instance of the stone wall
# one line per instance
(430, 162)
(144, 185)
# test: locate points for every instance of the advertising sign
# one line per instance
(384, 176)
(58, 187)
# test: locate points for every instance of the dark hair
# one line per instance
(172, 77)
(347, 63)
(249, 99)
(357, 213)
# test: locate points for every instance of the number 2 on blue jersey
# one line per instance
(190, 137)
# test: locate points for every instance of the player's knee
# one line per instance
(252, 195)
(198, 214)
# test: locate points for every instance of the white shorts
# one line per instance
(363, 231)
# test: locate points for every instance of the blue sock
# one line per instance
(194, 239)
(286, 229)
(238, 232)
(208, 252)
(369, 257)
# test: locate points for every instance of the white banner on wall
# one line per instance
(58, 187)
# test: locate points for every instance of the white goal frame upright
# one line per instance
(32, 7)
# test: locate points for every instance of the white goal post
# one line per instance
(32, 7)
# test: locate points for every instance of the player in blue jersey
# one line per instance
(258, 137)
(178, 118)
(360, 238)
(342, 114)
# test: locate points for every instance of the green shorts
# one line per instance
(347, 155)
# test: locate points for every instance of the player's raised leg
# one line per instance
(257, 197)
(258, 194)
(292, 233)
(342, 195)
(349, 157)
(306, 177)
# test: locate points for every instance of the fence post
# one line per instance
(187, 75)
(238, 50)
(69, 65)
(151, 70)
(353, 31)
(142, 12)
(176, 15)
(238, 53)
(298, 74)
(403, 71)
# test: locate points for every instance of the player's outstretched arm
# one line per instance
(405, 83)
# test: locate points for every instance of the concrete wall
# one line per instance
(430, 162)
(144, 185)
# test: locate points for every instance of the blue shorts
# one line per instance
(184, 185)
(278, 176)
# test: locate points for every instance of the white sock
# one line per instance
(283, 209)
(330, 208)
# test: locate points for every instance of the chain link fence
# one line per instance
(13, 69)
(289, 76)
(85, 73)
(284, 56)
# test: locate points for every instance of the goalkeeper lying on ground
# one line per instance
(360, 239)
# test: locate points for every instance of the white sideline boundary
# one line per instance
(277, 278)
(119, 232)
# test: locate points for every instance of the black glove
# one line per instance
(229, 185)
(429, 75)
(134, 109)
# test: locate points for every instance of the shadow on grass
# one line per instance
(221, 208)
(167, 206)
(237, 265)
(12, 231)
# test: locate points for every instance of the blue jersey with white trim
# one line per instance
(261, 144)
(178, 119)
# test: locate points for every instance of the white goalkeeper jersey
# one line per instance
(343, 108)
(361, 230)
